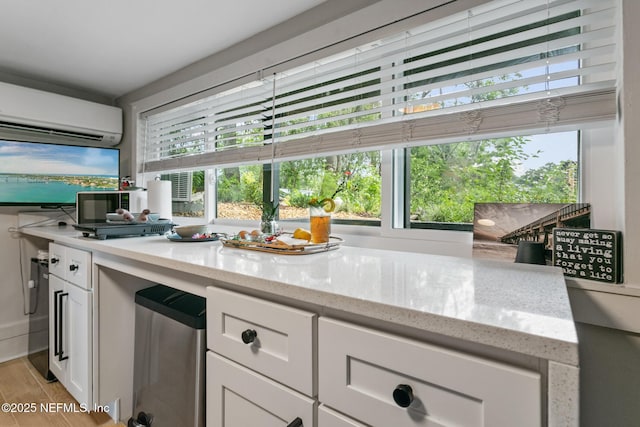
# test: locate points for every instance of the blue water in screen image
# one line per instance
(39, 192)
(33, 173)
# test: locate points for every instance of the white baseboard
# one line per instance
(14, 337)
(12, 348)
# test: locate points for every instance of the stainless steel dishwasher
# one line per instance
(169, 367)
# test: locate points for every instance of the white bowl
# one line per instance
(188, 231)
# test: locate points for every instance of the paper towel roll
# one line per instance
(159, 198)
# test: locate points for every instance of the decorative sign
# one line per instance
(588, 254)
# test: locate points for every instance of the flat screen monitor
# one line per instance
(50, 175)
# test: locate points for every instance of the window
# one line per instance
(447, 179)
(239, 192)
(352, 180)
(187, 191)
(471, 88)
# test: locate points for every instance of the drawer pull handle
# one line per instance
(249, 336)
(403, 395)
(54, 260)
(295, 423)
(73, 267)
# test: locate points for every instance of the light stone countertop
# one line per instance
(518, 307)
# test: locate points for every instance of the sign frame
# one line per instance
(586, 253)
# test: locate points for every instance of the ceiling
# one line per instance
(114, 47)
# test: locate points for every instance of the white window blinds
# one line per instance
(503, 66)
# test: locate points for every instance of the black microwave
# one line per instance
(93, 206)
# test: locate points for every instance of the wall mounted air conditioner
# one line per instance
(33, 115)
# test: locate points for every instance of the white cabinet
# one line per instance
(265, 367)
(272, 339)
(70, 264)
(386, 380)
(260, 370)
(240, 397)
(70, 320)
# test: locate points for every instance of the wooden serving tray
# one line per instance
(282, 247)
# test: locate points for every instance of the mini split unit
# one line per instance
(34, 115)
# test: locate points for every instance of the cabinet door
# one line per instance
(57, 364)
(70, 337)
(385, 380)
(239, 397)
(77, 343)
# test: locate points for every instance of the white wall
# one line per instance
(15, 253)
(607, 317)
(629, 93)
(13, 325)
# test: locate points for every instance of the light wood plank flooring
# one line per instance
(21, 383)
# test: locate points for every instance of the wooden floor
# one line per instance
(21, 385)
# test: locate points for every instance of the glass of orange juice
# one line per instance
(320, 224)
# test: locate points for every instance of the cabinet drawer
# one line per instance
(283, 345)
(330, 418)
(79, 267)
(58, 260)
(360, 371)
(70, 264)
(239, 397)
